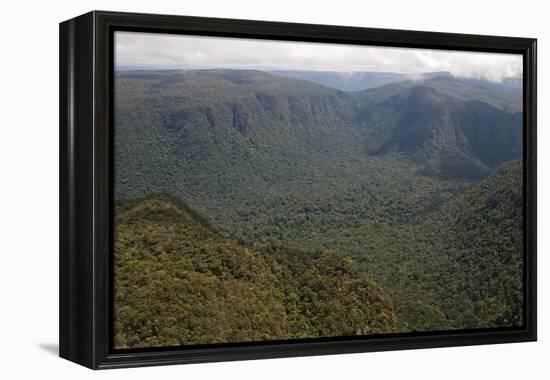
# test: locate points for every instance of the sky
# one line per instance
(180, 51)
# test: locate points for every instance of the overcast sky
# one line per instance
(132, 48)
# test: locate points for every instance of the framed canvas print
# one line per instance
(236, 189)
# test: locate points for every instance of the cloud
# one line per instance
(154, 49)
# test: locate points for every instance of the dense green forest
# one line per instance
(461, 267)
(413, 187)
(179, 282)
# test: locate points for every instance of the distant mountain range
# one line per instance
(450, 128)
(346, 81)
(340, 80)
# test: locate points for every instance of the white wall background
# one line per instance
(29, 187)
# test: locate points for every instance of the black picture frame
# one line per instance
(86, 206)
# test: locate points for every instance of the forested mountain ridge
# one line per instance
(345, 81)
(454, 139)
(251, 118)
(177, 282)
(507, 96)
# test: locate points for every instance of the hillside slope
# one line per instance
(462, 266)
(450, 138)
(177, 282)
(482, 232)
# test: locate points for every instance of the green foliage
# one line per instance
(399, 179)
(452, 139)
(481, 232)
(179, 132)
(177, 282)
(460, 267)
